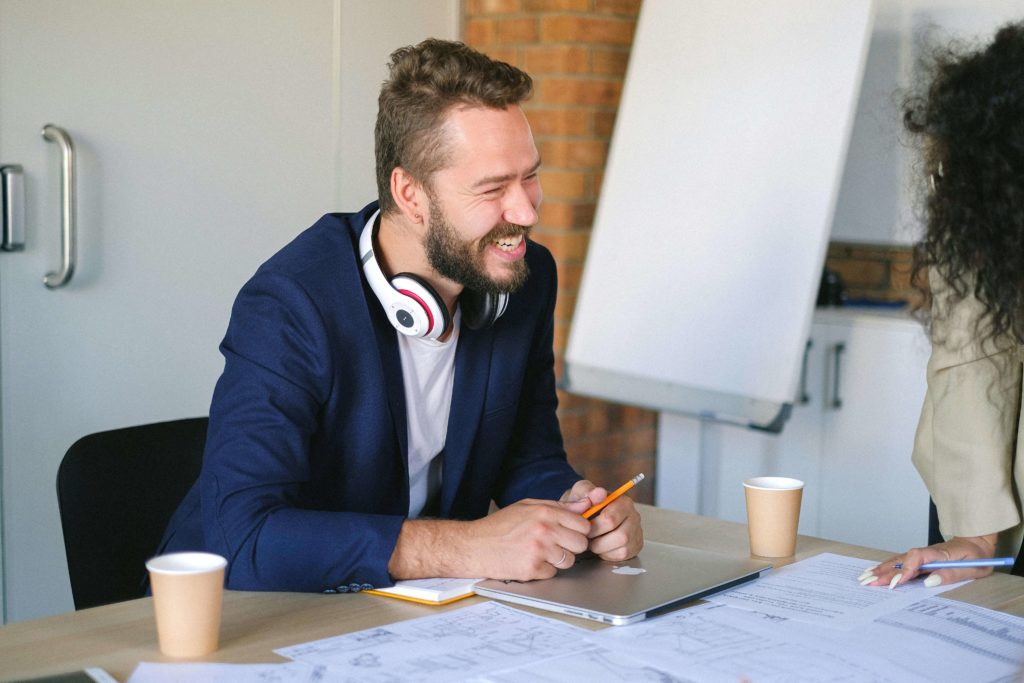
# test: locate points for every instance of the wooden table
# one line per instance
(117, 637)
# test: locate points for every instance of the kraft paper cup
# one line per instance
(773, 513)
(187, 593)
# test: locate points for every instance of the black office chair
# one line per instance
(116, 491)
(934, 536)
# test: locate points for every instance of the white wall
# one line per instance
(368, 36)
(879, 188)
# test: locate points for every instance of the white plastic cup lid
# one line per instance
(186, 563)
(773, 483)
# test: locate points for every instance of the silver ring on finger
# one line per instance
(558, 565)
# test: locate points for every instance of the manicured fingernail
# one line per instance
(867, 572)
(933, 580)
(895, 580)
(868, 579)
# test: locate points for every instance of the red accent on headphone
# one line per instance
(426, 308)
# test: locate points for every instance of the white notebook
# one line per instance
(429, 591)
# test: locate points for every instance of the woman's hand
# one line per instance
(958, 548)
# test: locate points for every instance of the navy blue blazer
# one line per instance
(304, 484)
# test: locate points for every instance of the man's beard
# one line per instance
(464, 263)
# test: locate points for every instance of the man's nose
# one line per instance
(521, 206)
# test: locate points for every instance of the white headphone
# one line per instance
(413, 306)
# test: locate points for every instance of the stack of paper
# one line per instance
(808, 621)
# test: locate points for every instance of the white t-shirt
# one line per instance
(428, 372)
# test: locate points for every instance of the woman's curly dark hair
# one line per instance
(971, 120)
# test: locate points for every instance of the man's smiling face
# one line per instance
(484, 203)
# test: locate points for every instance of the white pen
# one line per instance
(953, 564)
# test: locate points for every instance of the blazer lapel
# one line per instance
(391, 367)
(472, 371)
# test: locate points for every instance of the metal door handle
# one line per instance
(837, 401)
(12, 208)
(67, 206)
(805, 397)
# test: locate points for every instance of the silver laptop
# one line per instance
(661, 578)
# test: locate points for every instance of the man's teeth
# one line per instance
(508, 243)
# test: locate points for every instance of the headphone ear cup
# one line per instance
(481, 310)
(419, 290)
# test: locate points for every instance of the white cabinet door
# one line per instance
(702, 465)
(208, 134)
(870, 492)
(854, 458)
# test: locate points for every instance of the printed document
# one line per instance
(288, 672)
(824, 590)
(814, 622)
(935, 639)
(594, 665)
(451, 646)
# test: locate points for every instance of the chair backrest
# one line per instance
(116, 491)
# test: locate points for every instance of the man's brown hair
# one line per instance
(425, 82)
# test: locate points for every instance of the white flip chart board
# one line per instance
(713, 221)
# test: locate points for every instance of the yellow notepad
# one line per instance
(429, 591)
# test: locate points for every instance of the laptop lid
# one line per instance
(659, 579)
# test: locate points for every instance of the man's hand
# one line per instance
(615, 532)
(958, 548)
(531, 539)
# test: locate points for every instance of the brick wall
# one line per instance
(875, 272)
(576, 51)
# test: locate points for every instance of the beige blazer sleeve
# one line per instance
(966, 447)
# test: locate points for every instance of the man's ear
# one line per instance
(409, 195)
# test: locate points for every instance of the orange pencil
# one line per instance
(613, 495)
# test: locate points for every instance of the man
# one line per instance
(362, 426)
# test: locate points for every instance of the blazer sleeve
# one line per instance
(536, 465)
(264, 414)
(966, 441)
